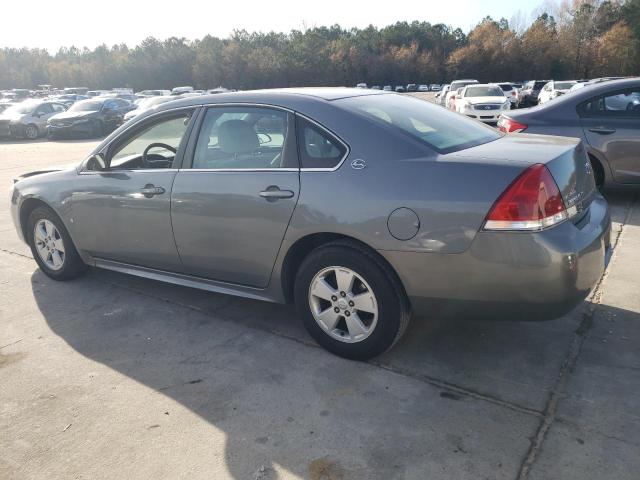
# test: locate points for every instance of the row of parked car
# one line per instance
(411, 87)
(79, 111)
(603, 112)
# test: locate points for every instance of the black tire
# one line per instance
(72, 265)
(393, 306)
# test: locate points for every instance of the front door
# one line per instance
(123, 212)
(231, 209)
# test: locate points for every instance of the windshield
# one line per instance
(564, 85)
(539, 85)
(86, 106)
(483, 92)
(506, 87)
(439, 129)
(21, 108)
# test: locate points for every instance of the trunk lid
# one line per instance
(566, 159)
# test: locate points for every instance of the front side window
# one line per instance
(155, 146)
(621, 103)
(244, 138)
(58, 107)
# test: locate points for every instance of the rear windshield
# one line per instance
(441, 130)
(539, 85)
(506, 87)
(564, 85)
(463, 83)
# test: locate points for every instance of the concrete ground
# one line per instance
(110, 377)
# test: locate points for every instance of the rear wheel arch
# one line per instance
(307, 244)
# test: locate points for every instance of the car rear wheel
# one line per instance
(51, 245)
(31, 132)
(350, 301)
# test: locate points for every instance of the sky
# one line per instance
(51, 25)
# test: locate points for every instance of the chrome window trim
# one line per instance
(130, 170)
(235, 104)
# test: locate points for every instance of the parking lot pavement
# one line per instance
(112, 376)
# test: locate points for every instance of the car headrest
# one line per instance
(237, 136)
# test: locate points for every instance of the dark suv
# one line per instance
(528, 96)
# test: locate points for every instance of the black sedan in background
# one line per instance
(605, 116)
(92, 118)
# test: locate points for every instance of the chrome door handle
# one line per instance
(150, 190)
(603, 130)
(273, 193)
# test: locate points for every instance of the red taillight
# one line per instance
(532, 202)
(508, 125)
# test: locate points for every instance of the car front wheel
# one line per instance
(350, 301)
(51, 245)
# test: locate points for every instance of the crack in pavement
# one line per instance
(571, 359)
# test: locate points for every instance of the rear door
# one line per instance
(611, 125)
(230, 210)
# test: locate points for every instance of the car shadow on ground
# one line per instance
(276, 398)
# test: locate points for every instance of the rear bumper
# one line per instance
(510, 275)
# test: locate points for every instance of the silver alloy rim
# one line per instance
(49, 244)
(31, 132)
(343, 304)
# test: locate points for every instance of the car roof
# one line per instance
(286, 97)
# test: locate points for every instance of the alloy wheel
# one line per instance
(343, 304)
(31, 132)
(49, 244)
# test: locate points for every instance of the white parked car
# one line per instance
(484, 102)
(510, 91)
(553, 90)
(442, 95)
(423, 88)
(449, 100)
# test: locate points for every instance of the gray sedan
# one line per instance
(605, 116)
(360, 206)
(28, 119)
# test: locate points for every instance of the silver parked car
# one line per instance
(28, 119)
(360, 206)
(604, 115)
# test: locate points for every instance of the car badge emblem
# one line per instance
(358, 164)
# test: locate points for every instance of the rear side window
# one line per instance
(317, 148)
(439, 129)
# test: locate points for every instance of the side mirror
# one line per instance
(95, 163)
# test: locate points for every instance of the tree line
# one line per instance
(571, 40)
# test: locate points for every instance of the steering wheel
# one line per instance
(145, 155)
(268, 140)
